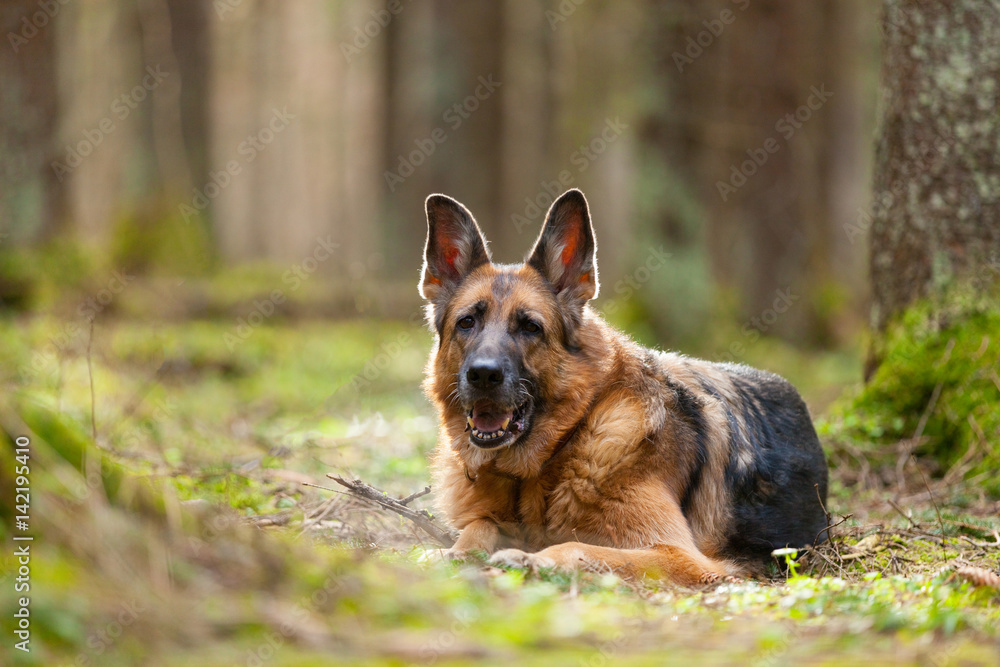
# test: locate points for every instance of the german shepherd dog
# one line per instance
(565, 444)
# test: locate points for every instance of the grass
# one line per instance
(197, 542)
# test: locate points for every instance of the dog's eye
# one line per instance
(531, 327)
(467, 322)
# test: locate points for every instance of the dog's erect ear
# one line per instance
(566, 252)
(455, 246)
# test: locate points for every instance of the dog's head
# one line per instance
(506, 333)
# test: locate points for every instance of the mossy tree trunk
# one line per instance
(936, 204)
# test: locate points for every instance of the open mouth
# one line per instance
(491, 425)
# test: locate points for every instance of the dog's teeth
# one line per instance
(469, 423)
(491, 435)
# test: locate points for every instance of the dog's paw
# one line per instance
(521, 559)
(709, 578)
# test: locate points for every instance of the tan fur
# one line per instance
(598, 479)
(584, 448)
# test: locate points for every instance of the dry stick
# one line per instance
(843, 519)
(326, 507)
(917, 535)
(930, 493)
(839, 567)
(826, 512)
(931, 404)
(985, 530)
(902, 513)
(422, 519)
(983, 545)
(413, 496)
(829, 527)
(961, 467)
(329, 505)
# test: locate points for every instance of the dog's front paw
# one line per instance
(709, 578)
(456, 554)
(521, 559)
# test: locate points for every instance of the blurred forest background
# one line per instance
(182, 137)
(211, 229)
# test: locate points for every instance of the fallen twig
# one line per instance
(813, 550)
(902, 513)
(983, 545)
(930, 493)
(422, 519)
(413, 496)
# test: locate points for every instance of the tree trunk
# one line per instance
(766, 120)
(936, 214)
(32, 196)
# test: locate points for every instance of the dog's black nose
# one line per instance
(484, 374)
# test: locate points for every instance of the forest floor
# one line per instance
(194, 532)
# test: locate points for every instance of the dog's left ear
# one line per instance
(566, 252)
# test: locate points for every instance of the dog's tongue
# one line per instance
(489, 417)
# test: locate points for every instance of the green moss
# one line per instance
(938, 382)
(36, 278)
(158, 239)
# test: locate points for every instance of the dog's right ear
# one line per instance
(455, 247)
